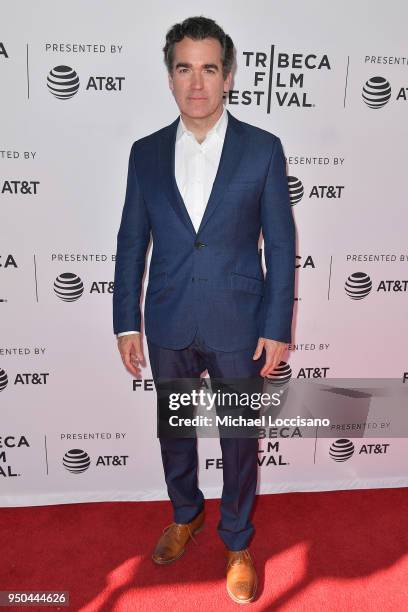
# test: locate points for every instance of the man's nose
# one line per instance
(197, 80)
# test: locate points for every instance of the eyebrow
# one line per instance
(187, 65)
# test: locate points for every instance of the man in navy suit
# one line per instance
(203, 188)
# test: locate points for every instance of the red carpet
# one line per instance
(332, 551)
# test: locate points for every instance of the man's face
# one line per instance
(197, 80)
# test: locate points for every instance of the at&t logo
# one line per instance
(343, 449)
(297, 191)
(19, 187)
(78, 461)
(283, 373)
(63, 82)
(69, 287)
(24, 378)
(377, 92)
(358, 285)
(3, 380)
(280, 375)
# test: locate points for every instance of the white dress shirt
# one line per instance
(196, 166)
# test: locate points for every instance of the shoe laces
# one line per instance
(178, 528)
(240, 556)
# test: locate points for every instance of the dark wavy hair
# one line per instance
(199, 28)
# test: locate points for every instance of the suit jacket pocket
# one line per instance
(248, 284)
(156, 282)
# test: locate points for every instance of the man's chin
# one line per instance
(198, 111)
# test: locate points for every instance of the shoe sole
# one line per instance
(181, 553)
(244, 601)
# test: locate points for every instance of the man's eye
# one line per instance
(183, 69)
(210, 70)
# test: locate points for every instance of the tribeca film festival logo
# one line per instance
(63, 82)
(3, 51)
(278, 78)
(304, 262)
(23, 378)
(358, 286)
(318, 192)
(343, 449)
(271, 456)
(377, 92)
(77, 461)
(8, 260)
(6, 443)
(69, 287)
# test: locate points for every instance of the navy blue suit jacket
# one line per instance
(210, 280)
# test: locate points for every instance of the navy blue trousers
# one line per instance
(239, 455)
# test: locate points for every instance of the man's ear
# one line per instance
(170, 82)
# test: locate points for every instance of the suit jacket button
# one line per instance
(199, 245)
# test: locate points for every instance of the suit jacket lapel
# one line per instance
(167, 174)
(232, 152)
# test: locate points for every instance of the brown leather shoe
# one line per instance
(241, 576)
(171, 544)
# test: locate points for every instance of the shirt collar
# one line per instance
(219, 128)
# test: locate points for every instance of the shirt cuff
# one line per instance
(127, 333)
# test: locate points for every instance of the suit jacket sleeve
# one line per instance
(278, 231)
(132, 243)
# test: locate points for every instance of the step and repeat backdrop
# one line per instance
(80, 82)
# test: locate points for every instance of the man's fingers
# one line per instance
(273, 359)
(137, 360)
(127, 362)
(259, 348)
(270, 367)
(132, 356)
(140, 357)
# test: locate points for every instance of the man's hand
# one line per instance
(131, 351)
(274, 353)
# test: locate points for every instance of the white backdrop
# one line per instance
(63, 169)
